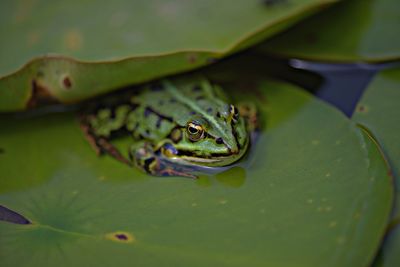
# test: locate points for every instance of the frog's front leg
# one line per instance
(150, 161)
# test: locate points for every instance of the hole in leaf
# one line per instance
(12, 216)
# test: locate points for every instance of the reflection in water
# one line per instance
(234, 177)
(228, 176)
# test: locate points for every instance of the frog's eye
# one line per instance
(195, 131)
(234, 113)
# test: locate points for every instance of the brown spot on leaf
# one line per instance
(192, 58)
(362, 108)
(67, 82)
(24, 10)
(121, 237)
(73, 39)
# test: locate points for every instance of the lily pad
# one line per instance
(378, 110)
(305, 196)
(72, 51)
(354, 30)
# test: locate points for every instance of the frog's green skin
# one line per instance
(159, 119)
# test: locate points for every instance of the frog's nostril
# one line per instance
(219, 141)
(235, 150)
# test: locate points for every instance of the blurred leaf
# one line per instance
(78, 49)
(353, 30)
(314, 191)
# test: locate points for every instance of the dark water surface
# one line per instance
(343, 84)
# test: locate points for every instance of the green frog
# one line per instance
(176, 127)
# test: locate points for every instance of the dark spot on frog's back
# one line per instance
(158, 123)
(147, 164)
(1, 151)
(147, 112)
(196, 88)
(209, 110)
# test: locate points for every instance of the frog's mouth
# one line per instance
(215, 159)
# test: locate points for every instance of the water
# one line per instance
(343, 84)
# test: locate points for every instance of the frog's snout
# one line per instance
(234, 149)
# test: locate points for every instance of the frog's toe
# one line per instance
(170, 171)
(147, 161)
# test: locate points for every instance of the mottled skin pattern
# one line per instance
(175, 127)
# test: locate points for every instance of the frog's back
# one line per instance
(154, 111)
(185, 100)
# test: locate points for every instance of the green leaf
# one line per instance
(76, 49)
(314, 191)
(354, 30)
(378, 110)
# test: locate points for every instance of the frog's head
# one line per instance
(216, 139)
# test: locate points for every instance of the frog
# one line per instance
(176, 127)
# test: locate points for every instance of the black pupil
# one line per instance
(193, 130)
(219, 141)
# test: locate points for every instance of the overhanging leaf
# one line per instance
(80, 49)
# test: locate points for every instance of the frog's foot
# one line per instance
(87, 131)
(108, 148)
(101, 145)
(248, 111)
(145, 159)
